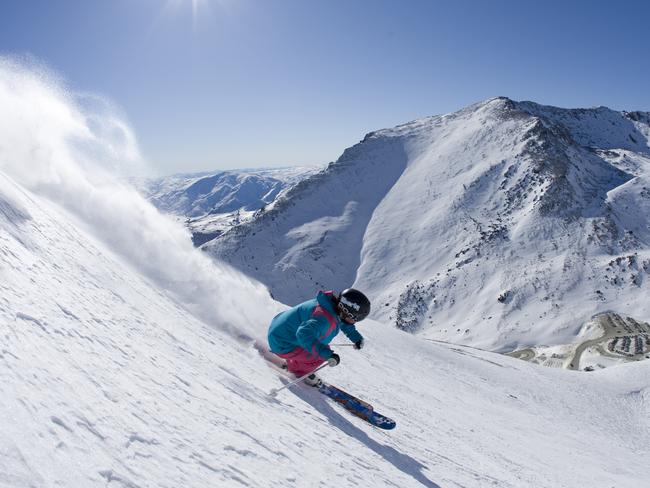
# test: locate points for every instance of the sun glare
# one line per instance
(203, 9)
(176, 6)
(195, 9)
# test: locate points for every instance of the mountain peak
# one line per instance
(500, 199)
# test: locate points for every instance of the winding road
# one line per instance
(613, 325)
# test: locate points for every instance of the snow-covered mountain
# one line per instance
(127, 358)
(503, 225)
(210, 203)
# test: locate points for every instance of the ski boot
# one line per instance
(313, 380)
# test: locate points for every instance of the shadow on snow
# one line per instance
(403, 462)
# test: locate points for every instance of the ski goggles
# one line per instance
(345, 315)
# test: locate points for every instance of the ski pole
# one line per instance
(275, 391)
(342, 345)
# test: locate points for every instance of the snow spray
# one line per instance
(72, 150)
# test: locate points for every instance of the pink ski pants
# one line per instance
(301, 362)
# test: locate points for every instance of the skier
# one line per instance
(301, 334)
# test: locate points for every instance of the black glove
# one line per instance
(334, 360)
(359, 344)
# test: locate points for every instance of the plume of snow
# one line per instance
(71, 149)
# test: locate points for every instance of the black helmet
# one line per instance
(353, 304)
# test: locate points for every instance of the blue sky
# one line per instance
(213, 84)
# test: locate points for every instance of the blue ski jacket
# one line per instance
(311, 325)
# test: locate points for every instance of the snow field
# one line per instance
(106, 379)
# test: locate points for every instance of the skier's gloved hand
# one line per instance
(360, 343)
(334, 360)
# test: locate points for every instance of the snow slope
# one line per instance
(107, 380)
(501, 226)
(312, 237)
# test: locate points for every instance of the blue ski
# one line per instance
(357, 407)
(352, 404)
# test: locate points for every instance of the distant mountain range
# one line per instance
(503, 225)
(212, 202)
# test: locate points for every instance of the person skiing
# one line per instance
(301, 334)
